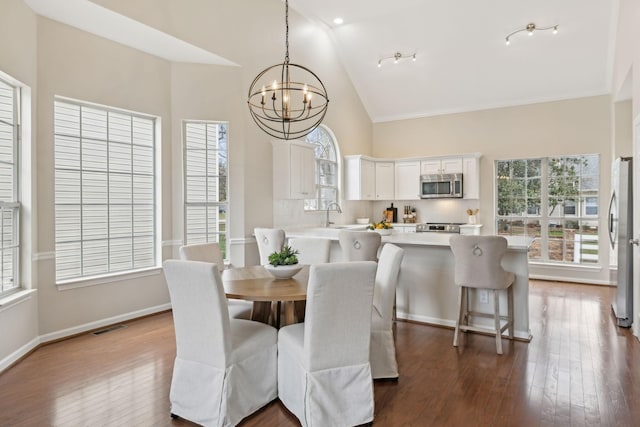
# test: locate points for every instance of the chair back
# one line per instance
(204, 252)
(311, 250)
(478, 261)
(337, 329)
(386, 280)
(200, 314)
(269, 240)
(359, 245)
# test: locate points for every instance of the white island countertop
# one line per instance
(423, 239)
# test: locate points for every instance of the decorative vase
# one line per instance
(472, 219)
(283, 271)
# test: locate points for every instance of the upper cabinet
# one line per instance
(294, 173)
(471, 178)
(441, 165)
(367, 179)
(407, 180)
(385, 180)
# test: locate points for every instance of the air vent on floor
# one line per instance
(109, 329)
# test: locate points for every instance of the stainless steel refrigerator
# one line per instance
(620, 232)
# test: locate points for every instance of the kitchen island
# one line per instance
(426, 290)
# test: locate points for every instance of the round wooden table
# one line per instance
(256, 284)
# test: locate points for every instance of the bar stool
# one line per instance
(478, 266)
(359, 245)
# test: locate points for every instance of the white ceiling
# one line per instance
(462, 62)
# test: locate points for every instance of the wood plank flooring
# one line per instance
(579, 370)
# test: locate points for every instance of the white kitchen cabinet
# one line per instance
(294, 170)
(385, 188)
(407, 180)
(360, 178)
(440, 166)
(471, 178)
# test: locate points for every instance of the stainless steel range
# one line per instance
(439, 227)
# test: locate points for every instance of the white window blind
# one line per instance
(9, 203)
(104, 191)
(205, 182)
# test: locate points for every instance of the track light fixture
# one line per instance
(530, 28)
(397, 57)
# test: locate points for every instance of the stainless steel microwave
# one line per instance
(441, 186)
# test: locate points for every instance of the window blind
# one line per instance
(104, 191)
(9, 203)
(205, 182)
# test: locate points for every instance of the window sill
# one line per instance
(101, 280)
(566, 266)
(16, 298)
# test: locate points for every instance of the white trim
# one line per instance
(571, 279)
(34, 343)
(43, 256)
(18, 354)
(16, 298)
(101, 280)
(242, 241)
(103, 322)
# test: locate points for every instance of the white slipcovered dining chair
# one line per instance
(383, 349)
(225, 369)
(311, 250)
(210, 252)
(269, 240)
(478, 266)
(324, 374)
(359, 245)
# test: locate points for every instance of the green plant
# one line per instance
(287, 256)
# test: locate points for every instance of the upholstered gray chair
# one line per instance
(225, 369)
(324, 374)
(478, 266)
(359, 245)
(269, 240)
(210, 252)
(383, 349)
(311, 250)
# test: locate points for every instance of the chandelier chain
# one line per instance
(286, 36)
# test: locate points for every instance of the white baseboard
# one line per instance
(103, 322)
(25, 349)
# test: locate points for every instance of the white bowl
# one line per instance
(283, 271)
(383, 231)
(362, 220)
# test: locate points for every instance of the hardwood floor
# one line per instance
(579, 369)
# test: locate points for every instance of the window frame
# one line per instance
(221, 237)
(319, 202)
(546, 219)
(154, 195)
(14, 206)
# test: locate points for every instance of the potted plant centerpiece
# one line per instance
(383, 227)
(284, 264)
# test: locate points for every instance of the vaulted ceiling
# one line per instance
(462, 61)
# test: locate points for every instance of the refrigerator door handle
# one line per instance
(611, 220)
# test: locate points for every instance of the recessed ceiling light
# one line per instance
(338, 21)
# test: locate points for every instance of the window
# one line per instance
(327, 155)
(105, 202)
(554, 200)
(205, 183)
(9, 202)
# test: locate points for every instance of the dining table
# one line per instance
(256, 284)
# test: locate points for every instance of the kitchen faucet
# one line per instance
(327, 223)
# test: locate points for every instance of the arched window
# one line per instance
(327, 168)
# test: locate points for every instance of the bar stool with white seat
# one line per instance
(478, 266)
(359, 245)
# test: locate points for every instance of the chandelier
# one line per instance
(287, 101)
(530, 28)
